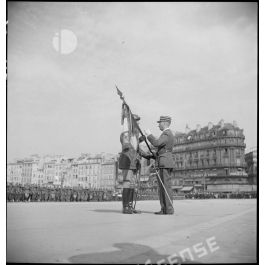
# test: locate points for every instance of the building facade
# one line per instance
(27, 166)
(252, 163)
(14, 173)
(91, 171)
(210, 158)
(37, 174)
(49, 172)
(108, 174)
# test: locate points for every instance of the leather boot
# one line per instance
(132, 193)
(125, 201)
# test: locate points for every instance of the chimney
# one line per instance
(235, 124)
(198, 128)
(187, 129)
(210, 125)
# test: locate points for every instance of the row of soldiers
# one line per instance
(17, 193)
(221, 195)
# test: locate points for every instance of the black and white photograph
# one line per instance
(132, 132)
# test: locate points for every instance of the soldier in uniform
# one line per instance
(104, 196)
(46, 194)
(71, 194)
(91, 195)
(70, 191)
(56, 194)
(9, 193)
(16, 193)
(63, 195)
(26, 194)
(78, 194)
(52, 195)
(87, 195)
(35, 195)
(42, 196)
(13, 192)
(129, 162)
(67, 195)
(74, 195)
(164, 162)
(38, 194)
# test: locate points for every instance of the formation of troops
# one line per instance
(221, 195)
(19, 193)
(31, 193)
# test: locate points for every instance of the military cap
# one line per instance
(165, 118)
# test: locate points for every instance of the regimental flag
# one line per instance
(128, 120)
(127, 115)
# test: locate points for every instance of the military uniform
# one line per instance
(129, 162)
(26, 194)
(68, 195)
(75, 195)
(165, 163)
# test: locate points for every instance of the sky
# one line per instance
(196, 62)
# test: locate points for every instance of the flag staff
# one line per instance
(138, 127)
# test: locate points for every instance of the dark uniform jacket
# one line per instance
(129, 158)
(164, 145)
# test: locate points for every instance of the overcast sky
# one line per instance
(196, 62)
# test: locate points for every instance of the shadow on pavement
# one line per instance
(116, 211)
(128, 253)
(106, 211)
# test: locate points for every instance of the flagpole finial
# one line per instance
(119, 93)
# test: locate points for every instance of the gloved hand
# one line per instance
(142, 139)
(151, 157)
(147, 132)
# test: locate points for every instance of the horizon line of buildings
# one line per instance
(87, 171)
(211, 158)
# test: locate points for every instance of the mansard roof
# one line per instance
(205, 129)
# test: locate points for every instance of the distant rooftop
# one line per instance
(211, 127)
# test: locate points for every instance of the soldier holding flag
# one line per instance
(129, 160)
(131, 153)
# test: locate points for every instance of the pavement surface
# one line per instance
(200, 231)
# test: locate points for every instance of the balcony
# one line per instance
(203, 167)
(207, 146)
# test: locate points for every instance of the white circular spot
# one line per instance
(64, 41)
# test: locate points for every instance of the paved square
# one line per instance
(201, 231)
